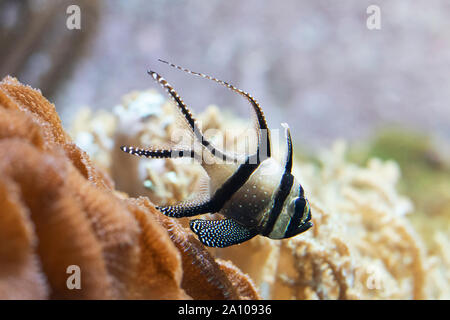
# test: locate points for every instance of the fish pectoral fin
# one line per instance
(221, 233)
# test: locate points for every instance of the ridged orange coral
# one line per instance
(58, 210)
(203, 276)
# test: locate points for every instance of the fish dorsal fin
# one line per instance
(289, 152)
(187, 116)
(263, 133)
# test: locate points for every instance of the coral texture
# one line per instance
(58, 210)
(362, 245)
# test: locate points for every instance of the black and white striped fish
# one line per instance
(256, 195)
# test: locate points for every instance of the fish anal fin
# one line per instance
(221, 233)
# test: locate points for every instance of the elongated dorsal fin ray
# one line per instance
(182, 107)
(289, 152)
(264, 143)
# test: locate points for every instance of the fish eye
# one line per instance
(301, 217)
(302, 209)
(300, 205)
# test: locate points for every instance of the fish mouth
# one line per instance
(307, 223)
(305, 226)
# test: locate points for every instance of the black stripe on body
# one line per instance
(234, 183)
(283, 192)
(220, 197)
(287, 180)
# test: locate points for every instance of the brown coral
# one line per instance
(58, 210)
